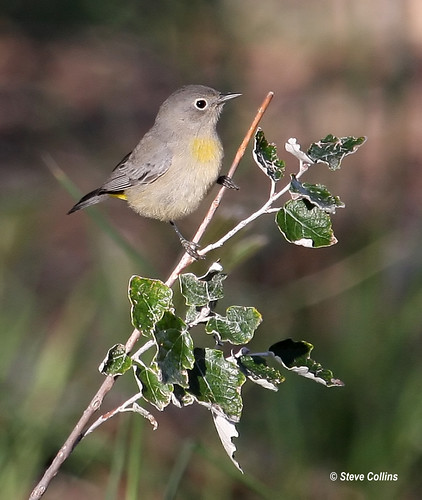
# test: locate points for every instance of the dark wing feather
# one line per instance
(146, 163)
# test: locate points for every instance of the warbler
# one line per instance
(175, 163)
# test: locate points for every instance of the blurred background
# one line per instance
(80, 83)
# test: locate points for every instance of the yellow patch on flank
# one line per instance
(204, 150)
(121, 196)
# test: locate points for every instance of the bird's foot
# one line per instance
(191, 248)
(227, 182)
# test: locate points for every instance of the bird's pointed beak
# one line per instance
(226, 97)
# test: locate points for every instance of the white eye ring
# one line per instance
(201, 104)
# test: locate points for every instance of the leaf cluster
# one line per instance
(182, 373)
(305, 219)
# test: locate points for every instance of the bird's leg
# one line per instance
(189, 246)
(227, 182)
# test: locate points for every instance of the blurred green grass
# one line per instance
(83, 90)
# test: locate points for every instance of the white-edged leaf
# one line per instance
(317, 194)
(332, 150)
(265, 155)
(305, 224)
(293, 147)
(226, 430)
(116, 362)
(296, 357)
(257, 370)
(237, 327)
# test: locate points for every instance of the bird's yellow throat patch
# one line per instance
(204, 150)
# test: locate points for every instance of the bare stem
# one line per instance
(265, 209)
(73, 439)
(129, 405)
(79, 430)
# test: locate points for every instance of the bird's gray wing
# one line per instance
(146, 163)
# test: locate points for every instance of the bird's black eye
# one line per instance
(201, 103)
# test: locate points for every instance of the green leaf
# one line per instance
(331, 150)
(257, 370)
(238, 327)
(199, 291)
(217, 383)
(181, 397)
(192, 314)
(153, 390)
(150, 299)
(202, 293)
(317, 194)
(117, 362)
(305, 224)
(295, 356)
(265, 156)
(175, 349)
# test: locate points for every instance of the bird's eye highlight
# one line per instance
(201, 103)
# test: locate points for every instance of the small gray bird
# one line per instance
(172, 168)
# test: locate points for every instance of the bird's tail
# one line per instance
(89, 199)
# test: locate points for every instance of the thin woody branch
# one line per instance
(265, 209)
(74, 437)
